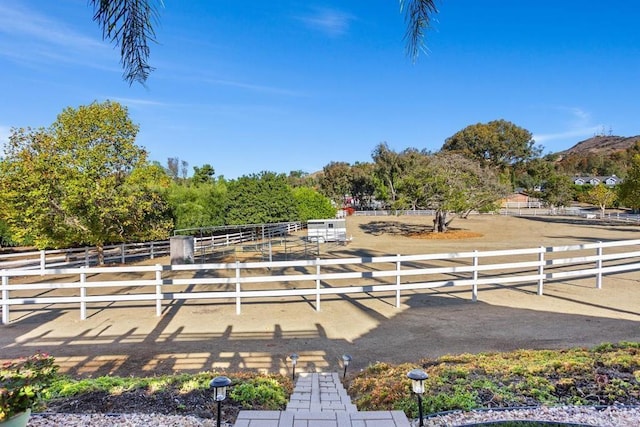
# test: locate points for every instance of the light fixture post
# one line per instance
(219, 386)
(346, 359)
(294, 361)
(417, 377)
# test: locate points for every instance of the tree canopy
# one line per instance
(82, 181)
(499, 143)
(260, 199)
(630, 187)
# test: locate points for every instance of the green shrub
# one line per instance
(260, 392)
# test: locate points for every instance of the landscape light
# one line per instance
(346, 359)
(219, 386)
(294, 362)
(417, 377)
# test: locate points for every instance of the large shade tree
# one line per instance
(82, 181)
(452, 184)
(130, 26)
(497, 143)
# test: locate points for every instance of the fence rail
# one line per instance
(390, 275)
(128, 252)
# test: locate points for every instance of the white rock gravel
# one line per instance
(118, 420)
(607, 417)
(613, 416)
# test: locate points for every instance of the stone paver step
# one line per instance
(322, 419)
(320, 400)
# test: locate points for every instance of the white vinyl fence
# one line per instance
(387, 275)
(131, 252)
(75, 257)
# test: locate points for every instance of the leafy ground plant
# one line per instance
(605, 375)
(22, 383)
(183, 394)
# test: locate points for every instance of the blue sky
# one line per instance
(293, 85)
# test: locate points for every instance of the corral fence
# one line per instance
(213, 243)
(519, 210)
(386, 276)
(209, 243)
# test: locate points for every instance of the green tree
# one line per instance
(260, 199)
(601, 196)
(532, 174)
(363, 184)
(450, 184)
(203, 175)
(497, 143)
(335, 181)
(6, 237)
(83, 181)
(198, 205)
(130, 26)
(629, 189)
(312, 205)
(557, 191)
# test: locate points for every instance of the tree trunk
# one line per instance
(440, 222)
(100, 250)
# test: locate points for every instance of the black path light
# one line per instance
(294, 361)
(346, 359)
(219, 386)
(417, 377)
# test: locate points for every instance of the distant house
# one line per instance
(612, 181)
(609, 181)
(520, 199)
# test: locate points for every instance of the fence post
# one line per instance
(474, 290)
(158, 290)
(5, 299)
(599, 266)
(86, 256)
(151, 250)
(541, 270)
(238, 308)
(123, 257)
(398, 268)
(43, 260)
(317, 284)
(83, 295)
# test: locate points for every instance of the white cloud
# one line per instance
(329, 21)
(586, 132)
(254, 87)
(29, 37)
(578, 125)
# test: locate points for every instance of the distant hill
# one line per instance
(600, 156)
(601, 145)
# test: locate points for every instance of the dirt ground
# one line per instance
(128, 339)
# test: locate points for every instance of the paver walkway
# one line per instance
(320, 400)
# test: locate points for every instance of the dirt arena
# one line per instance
(125, 339)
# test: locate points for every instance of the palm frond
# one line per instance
(129, 24)
(418, 16)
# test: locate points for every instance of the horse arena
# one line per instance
(125, 338)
